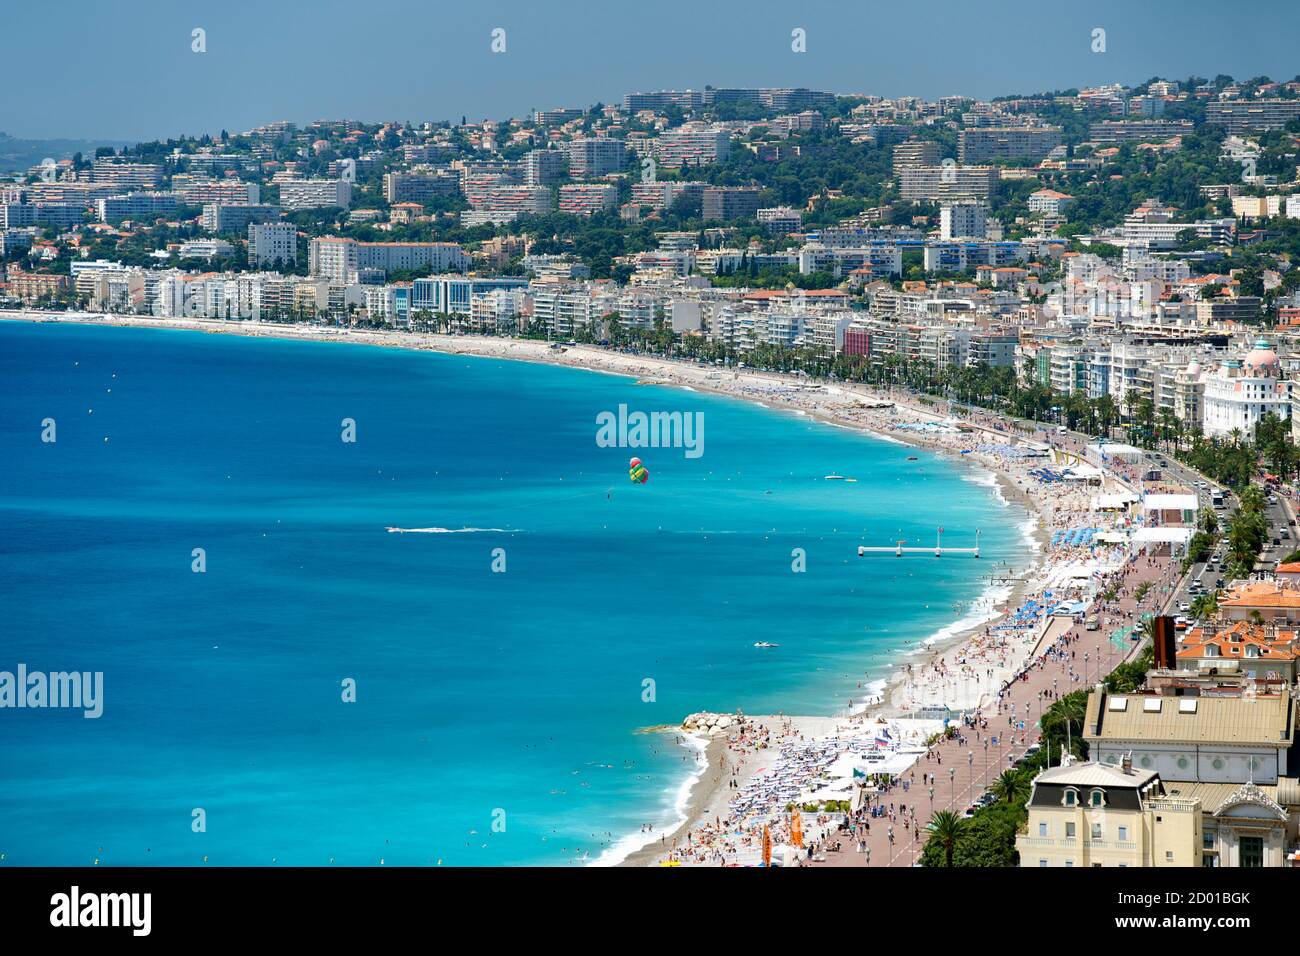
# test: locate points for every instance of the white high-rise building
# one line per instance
(963, 221)
(271, 242)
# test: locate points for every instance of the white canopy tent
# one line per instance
(1104, 450)
(1163, 535)
(1170, 502)
(1082, 472)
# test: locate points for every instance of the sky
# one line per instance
(126, 69)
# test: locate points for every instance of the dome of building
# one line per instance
(1262, 358)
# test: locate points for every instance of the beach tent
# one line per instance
(1107, 450)
(1069, 608)
(1169, 502)
(1116, 501)
(1083, 473)
(1110, 537)
(1163, 535)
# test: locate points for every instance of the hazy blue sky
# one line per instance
(124, 68)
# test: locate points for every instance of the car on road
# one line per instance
(1184, 607)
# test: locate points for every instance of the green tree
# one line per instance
(945, 829)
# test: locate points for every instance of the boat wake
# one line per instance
(452, 530)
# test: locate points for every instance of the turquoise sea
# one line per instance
(499, 716)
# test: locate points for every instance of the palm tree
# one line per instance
(1207, 605)
(1147, 628)
(1011, 786)
(1065, 717)
(945, 827)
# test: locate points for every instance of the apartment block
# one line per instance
(693, 144)
(1246, 116)
(730, 202)
(272, 242)
(197, 192)
(235, 219)
(585, 199)
(916, 152)
(1114, 132)
(340, 259)
(963, 221)
(544, 167)
(143, 205)
(595, 158)
(315, 193)
(937, 183)
(417, 188)
(127, 175)
(983, 145)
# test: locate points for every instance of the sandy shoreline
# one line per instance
(912, 682)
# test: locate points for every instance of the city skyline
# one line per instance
(440, 64)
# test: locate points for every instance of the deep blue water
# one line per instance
(477, 692)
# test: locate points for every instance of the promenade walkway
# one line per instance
(956, 771)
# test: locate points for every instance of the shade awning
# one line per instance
(1163, 535)
(1170, 502)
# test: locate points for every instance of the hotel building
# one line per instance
(1238, 393)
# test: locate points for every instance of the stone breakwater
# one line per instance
(708, 724)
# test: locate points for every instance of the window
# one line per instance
(1252, 851)
(1069, 831)
(1071, 798)
(1123, 834)
(1169, 856)
(1097, 798)
(1042, 829)
(1042, 863)
(1069, 863)
(1096, 831)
